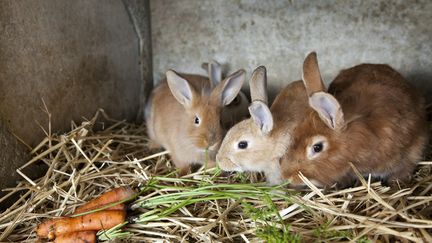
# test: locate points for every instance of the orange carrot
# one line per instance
(77, 237)
(109, 197)
(94, 221)
(115, 207)
(47, 228)
(43, 230)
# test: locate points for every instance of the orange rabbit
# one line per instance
(370, 116)
(183, 115)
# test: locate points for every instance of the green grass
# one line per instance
(274, 234)
(325, 234)
(172, 194)
(271, 230)
(256, 202)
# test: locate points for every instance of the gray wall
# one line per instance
(12, 155)
(77, 55)
(278, 34)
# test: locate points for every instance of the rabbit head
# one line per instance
(250, 144)
(202, 106)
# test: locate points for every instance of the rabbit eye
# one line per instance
(318, 147)
(197, 120)
(318, 144)
(242, 145)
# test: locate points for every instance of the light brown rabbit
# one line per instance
(183, 115)
(235, 111)
(258, 143)
(370, 116)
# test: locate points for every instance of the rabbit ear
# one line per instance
(227, 90)
(311, 74)
(328, 109)
(262, 116)
(180, 88)
(214, 72)
(258, 85)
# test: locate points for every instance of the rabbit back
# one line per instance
(383, 130)
(387, 109)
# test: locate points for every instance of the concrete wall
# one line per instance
(278, 34)
(12, 155)
(139, 12)
(77, 55)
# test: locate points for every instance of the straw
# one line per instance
(100, 154)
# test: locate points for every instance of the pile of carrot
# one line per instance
(109, 211)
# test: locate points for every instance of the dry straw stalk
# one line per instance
(206, 206)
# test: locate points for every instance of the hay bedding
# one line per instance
(100, 154)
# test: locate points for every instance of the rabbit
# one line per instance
(370, 116)
(183, 116)
(258, 143)
(235, 111)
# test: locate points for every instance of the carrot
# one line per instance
(115, 207)
(77, 237)
(43, 230)
(48, 225)
(94, 221)
(109, 197)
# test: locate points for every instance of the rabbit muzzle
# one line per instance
(227, 164)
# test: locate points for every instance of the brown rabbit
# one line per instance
(183, 115)
(235, 111)
(370, 116)
(257, 144)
